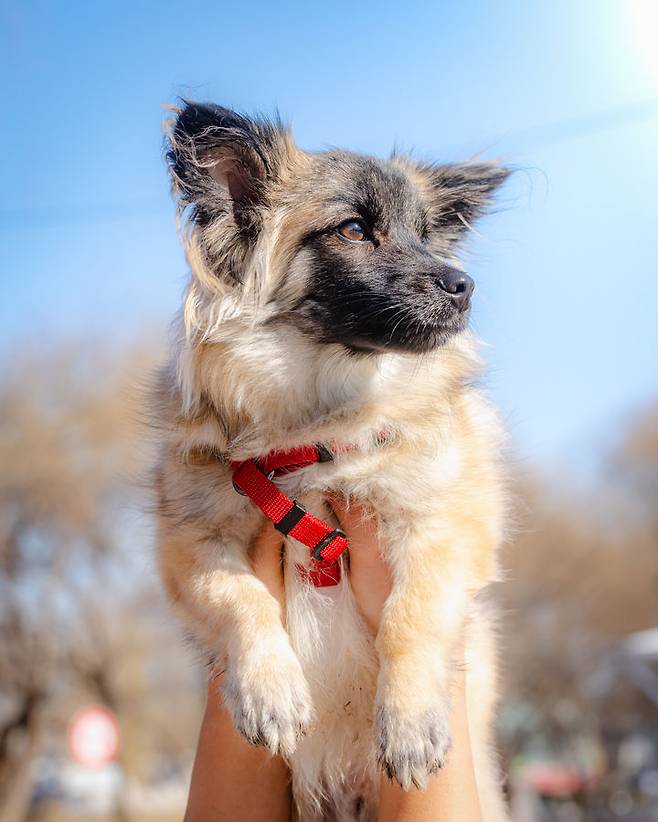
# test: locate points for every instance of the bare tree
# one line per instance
(582, 573)
(80, 615)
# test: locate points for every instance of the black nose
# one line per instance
(458, 285)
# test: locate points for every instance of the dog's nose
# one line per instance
(458, 285)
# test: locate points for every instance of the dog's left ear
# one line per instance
(459, 194)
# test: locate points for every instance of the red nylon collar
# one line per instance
(253, 478)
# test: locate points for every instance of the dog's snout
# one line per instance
(457, 285)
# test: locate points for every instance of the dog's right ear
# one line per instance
(221, 163)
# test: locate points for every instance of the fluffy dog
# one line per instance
(326, 306)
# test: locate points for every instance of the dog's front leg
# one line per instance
(233, 616)
(417, 642)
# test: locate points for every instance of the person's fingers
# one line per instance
(267, 560)
(361, 528)
(370, 576)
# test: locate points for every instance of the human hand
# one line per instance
(451, 794)
(369, 575)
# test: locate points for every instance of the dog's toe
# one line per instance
(410, 748)
(269, 701)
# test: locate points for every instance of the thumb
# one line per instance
(361, 529)
(267, 560)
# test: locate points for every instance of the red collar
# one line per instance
(253, 478)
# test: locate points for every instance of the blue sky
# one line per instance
(566, 92)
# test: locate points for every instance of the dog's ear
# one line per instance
(221, 164)
(460, 193)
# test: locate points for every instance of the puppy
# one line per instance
(326, 313)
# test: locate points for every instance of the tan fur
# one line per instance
(237, 387)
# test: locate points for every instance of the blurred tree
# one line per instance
(582, 573)
(635, 465)
(80, 614)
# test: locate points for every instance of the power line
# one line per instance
(575, 127)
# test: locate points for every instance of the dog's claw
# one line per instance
(411, 749)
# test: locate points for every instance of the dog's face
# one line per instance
(357, 249)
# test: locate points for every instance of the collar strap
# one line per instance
(253, 478)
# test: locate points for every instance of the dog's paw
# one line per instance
(268, 698)
(412, 742)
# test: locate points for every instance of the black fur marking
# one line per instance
(376, 298)
(381, 307)
(387, 294)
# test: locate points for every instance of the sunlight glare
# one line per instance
(644, 22)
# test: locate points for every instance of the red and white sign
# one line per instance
(93, 737)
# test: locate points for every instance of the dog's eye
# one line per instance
(354, 231)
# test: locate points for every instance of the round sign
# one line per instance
(93, 737)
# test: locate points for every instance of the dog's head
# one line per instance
(345, 249)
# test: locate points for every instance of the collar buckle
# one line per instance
(324, 454)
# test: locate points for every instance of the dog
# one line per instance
(326, 309)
